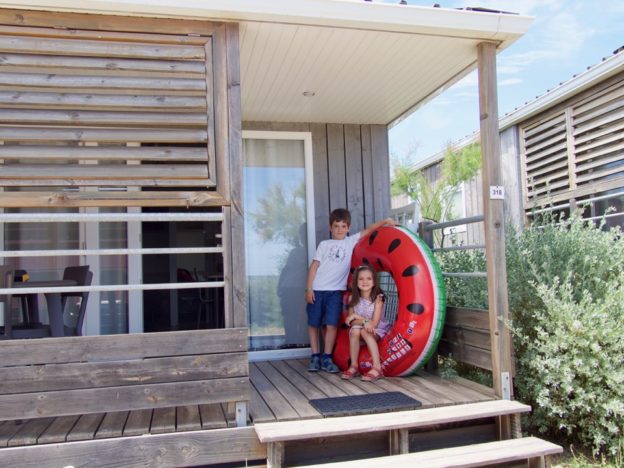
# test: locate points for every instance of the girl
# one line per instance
(366, 321)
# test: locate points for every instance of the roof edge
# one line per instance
(586, 79)
(333, 13)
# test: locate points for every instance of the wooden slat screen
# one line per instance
(120, 111)
(598, 132)
(576, 148)
(466, 337)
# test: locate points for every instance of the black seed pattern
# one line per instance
(381, 265)
(372, 237)
(393, 245)
(365, 261)
(410, 271)
(416, 308)
(352, 270)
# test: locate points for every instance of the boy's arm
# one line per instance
(378, 224)
(309, 292)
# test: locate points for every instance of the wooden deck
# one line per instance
(280, 391)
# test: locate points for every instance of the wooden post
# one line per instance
(425, 235)
(494, 221)
(275, 454)
(398, 441)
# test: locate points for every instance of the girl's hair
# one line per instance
(355, 291)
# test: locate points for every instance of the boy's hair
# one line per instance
(355, 292)
(340, 214)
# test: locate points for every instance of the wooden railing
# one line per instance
(95, 374)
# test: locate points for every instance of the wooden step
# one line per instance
(467, 456)
(297, 430)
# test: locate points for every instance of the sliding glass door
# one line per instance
(278, 236)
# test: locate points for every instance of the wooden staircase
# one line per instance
(397, 425)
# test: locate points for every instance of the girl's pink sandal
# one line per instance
(350, 373)
(372, 375)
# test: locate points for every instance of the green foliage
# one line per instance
(464, 292)
(566, 297)
(572, 365)
(435, 198)
(265, 309)
(280, 215)
(461, 165)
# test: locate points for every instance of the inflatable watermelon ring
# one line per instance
(413, 338)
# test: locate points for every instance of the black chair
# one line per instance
(83, 277)
(29, 302)
(6, 281)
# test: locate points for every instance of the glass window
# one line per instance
(276, 241)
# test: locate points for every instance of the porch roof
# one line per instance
(364, 62)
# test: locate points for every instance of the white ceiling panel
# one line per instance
(357, 76)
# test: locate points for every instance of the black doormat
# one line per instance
(364, 404)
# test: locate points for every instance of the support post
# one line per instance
(398, 441)
(241, 413)
(494, 222)
(275, 454)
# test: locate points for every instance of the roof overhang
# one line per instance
(364, 62)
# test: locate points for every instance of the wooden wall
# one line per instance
(351, 170)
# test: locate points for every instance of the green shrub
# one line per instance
(572, 366)
(566, 300)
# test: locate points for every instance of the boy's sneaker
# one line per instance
(329, 366)
(315, 364)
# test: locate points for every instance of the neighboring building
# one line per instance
(562, 151)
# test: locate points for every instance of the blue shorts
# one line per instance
(326, 309)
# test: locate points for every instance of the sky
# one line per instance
(565, 38)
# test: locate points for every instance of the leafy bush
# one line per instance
(572, 365)
(566, 298)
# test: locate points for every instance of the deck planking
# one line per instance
(280, 391)
(275, 383)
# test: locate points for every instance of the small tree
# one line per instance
(435, 198)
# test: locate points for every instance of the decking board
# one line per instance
(58, 430)
(296, 398)
(112, 425)
(188, 418)
(86, 427)
(280, 391)
(138, 422)
(212, 417)
(328, 388)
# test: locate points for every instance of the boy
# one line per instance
(327, 280)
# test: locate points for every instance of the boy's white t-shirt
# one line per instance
(334, 257)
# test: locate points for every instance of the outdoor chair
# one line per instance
(83, 277)
(6, 281)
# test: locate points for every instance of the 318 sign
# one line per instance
(497, 192)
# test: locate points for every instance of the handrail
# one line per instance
(137, 251)
(459, 247)
(455, 222)
(472, 274)
(115, 287)
(106, 217)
